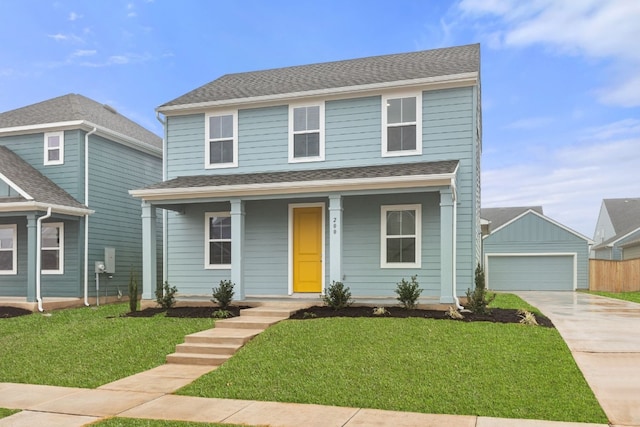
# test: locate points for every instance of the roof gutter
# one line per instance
(39, 258)
(39, 206)
(86, 217)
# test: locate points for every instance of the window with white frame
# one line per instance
(217, 240)
(54, 148)
(401, 237)
(8, 249)
(52, 248)
(221, 145)
(306, 133)
(402, 125)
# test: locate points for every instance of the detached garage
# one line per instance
(528, 251)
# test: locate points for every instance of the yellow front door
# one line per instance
(307, 249)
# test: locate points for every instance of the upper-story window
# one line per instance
(306, 133)
(52, 250)
(221, 145)
(54, 148)
(402, 125)
(8, 253)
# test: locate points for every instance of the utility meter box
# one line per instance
(110, 260)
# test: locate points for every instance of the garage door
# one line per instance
(530, 273)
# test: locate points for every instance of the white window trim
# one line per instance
(207, 240)
(207, 141)
(14, 269)
(48, 135)
(319, 158)
(418, 123)
(383, 236)
(60, 248)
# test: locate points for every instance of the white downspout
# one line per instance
(454, 196)
(165, 213)
(86, 217)
(39, 258)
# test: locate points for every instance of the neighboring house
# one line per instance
(363, 171)
(66, 165)
(526, 250)
(617, 234)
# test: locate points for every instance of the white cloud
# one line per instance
(81, 52)
(596, 29)
(74, 16)
(59, 37)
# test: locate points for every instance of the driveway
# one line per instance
(603, 335)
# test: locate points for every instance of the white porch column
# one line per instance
(447, 256)
(237, 247)
(335, 238)
(149, 254)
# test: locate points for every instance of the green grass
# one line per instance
(6, 412)
(134, 422)
(511, 301)
(419, 365)
(626, 296)
(87, 347)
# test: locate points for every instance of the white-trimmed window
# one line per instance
(402, 125)
(54, 148)
(8, 249)
(221, 140)
(401, 236)
(52, 248)
(306, 133)
(217, 245)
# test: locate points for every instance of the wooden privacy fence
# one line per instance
(614, 276)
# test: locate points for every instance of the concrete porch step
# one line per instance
(247, 322)
(208, 348)
(281, 313)
(197, 358)
(222, 336)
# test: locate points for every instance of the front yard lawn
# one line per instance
(626, 296)
(87, 347)
(6, 412)
(418, 365)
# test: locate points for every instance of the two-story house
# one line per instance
(66, 165)
(617, 234)
(362, 171)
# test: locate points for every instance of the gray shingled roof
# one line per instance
(29, 179)
(407, 169)
(331, 75)
(73, 107)
(500, 216)
(624, 215)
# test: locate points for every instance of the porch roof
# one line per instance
(35, 191)
(392, 176)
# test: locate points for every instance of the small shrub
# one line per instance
(165, 296)
(380, 311)
(223, 294)
(527, 318)
(133, 291)
(478, 301)
(221, 314)
(309, 315)
(454, 313)
(408, 292)
(338, 296)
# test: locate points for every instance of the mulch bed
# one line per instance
(497, 315)
(6, 312)
(185, 312)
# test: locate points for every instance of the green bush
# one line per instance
(408, 292)
(477, 301)
(223, 294)
(221, 314)
(133, 291)
(337, 296)
(165, 296)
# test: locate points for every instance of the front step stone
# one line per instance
(197, 359)
(252, 322)
(222, 336)
(197, 348)
(281, 313)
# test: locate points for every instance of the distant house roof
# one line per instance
(384, 176)
(339, 74)
(77, 108)
(625, 218)
(36, 191)
(500, 216)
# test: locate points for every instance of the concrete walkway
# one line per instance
(147, 395)
(603, 335)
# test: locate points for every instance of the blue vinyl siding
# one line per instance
(69, 283)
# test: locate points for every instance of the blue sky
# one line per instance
(560, 78)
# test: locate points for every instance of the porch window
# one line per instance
(52, 248)
(8, 249)
(54, 148)
(400, 232)
(221, 149)
(217, 240)
(306, 136)
(402, 125)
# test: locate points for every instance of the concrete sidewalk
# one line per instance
(603, 335)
